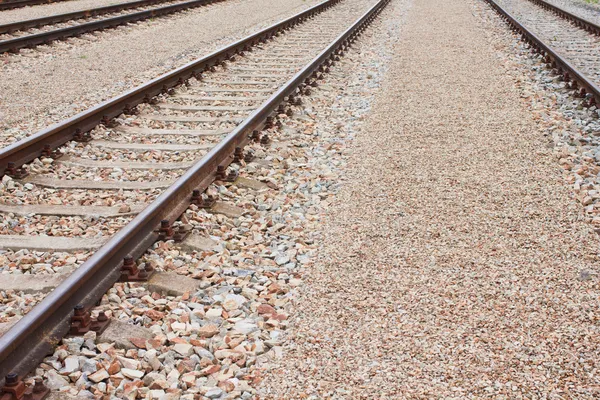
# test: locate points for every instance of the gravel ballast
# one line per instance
(455, 261)
(42, 86)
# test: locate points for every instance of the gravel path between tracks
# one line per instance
(455, 262)
(43, 86)
(62, 7)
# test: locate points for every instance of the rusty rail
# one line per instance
(577, 20)
(569, 72)
(9, 5)
(47, 322)
(92, 12)
(13, 45)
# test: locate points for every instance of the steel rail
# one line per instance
(9, 5)
(28, 149)
(568, 70)
(577, 20)
(92, 12)
(48, 321)
(13, 45)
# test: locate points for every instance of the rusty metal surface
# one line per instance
(53, 19)
(15, 44)
(552, 57)
(579, 21)
(9, 5)
(46, 323)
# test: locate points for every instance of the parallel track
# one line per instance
(28, 41)
(577, 20)
(575, 45)
(12, 4)
(92, 12)
(297, 51)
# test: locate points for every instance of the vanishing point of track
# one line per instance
(247, 85)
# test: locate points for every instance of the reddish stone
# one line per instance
(140, 343)
(226, 386)
(210, 370)
(275, 288)
(114, 368)
(196, 342)
(279, 317)
(185, 366)
(155, 315)
(179, 340)
(266, 309)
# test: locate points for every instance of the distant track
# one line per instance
(28, 41)
(9, 5)
(92, 12)
(569, 44)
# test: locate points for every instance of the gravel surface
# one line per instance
(61, 7)
(455, 263)
(589, 10)
(45, 85)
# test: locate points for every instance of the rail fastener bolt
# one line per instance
(80, 137)
(49, 153)
(248, 157)
(223, 175)
(167, 232)
(202, 202)
(81, 321)
(14, 388)
(255, 136)
(238, 155)
(100, 324)
(16, 172)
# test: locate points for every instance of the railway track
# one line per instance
(71, 16)
(570, 44)
(11, 4)
(104, 186)
(35, 32)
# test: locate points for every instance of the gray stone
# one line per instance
(119, 333)
(214, 393)
(198, 243)
(250, 184)
(172, 284)
(55, 381)
(226, 209)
